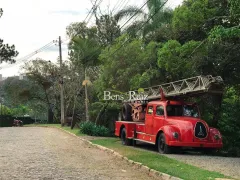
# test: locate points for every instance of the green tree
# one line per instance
(84, 52)
(222, 55)
(108, 29)
(7, 52)
(24, 93)
(80, 29)
(189, 19)
(234, 7)
(131, 66)
(175, 59)
(21, 110)
(6, 110)
(229, 124)
(154, 24)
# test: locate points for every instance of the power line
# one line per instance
(129, 20)
(124, 4)
(118, 3)
(121, 6)
(37, 51)
(25, 58)
(94, 9)
(133, 20)
(90, 11)
(134, 14)
(138, 29)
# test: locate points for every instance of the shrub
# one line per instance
(92, 129)
(6, 121)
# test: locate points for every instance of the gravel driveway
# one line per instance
(48, 153)
(225, 165)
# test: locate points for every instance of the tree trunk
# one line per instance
(217, 109)
(50, 116)
(73, 122)
(102, 110)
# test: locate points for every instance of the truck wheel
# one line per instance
(125, 140)
(163, 148)
(127, 112)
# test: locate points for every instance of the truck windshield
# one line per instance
(182, 110)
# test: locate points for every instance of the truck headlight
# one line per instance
(216, 136)
(175, 135)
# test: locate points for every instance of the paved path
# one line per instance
(45, 153)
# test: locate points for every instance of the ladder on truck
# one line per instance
(187, 87)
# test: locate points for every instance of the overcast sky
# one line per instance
(30, 24)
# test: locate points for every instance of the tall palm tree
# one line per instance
(109, 25)
(128, 12)
(158, 16)
(84, 52)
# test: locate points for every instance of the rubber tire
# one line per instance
(124, 139)
(126, 112)
(163, 148)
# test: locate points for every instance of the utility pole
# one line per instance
(61, 82)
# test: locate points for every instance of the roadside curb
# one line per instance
(136, 165)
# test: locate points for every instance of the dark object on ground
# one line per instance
(17, 123)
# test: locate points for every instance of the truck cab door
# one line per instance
(158, 120)
(149, 120)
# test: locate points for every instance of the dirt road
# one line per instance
(47, 153)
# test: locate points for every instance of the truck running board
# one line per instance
(144, 141)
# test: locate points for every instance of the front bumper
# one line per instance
(196, 144)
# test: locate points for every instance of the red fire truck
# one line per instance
(167, 121)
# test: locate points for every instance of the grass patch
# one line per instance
(159, 162)
(75, 131)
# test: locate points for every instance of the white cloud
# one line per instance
(30, 24)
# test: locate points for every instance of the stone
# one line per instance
(130, 161)
(154, 173)
(165, 176)
(118, 155)
(145, 168)
(111, 151)
(90, 143)
(137, 165)
(175, 178)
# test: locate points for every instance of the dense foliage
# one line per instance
(92, 129)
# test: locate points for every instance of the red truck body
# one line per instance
(167, 125)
